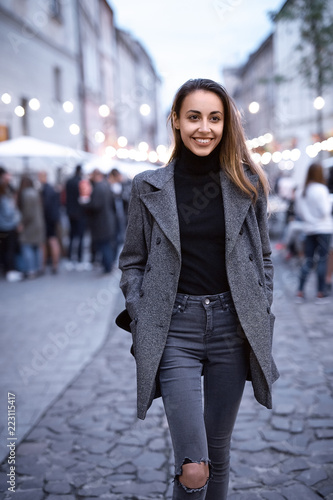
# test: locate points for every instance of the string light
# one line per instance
(19, 111)
(104, 110)
(99, 136)
(48, 122)
(122, 141)
(143, 147)
(145, 109)
(68, 106)
(34, 104)
(74, 129)
(254, 107)
(6, 98)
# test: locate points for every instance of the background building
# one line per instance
(275, 99)
(69, 76)
(138, 87)
(38, 60)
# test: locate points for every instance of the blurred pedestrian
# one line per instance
(51, 210)
(76, 216)
(121, 189)
(314, 208)
(33, 228)
(329, 271)
(98, 202)
(293, 233)
(197, 277)
(10, 219)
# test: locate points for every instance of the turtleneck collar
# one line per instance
(190, 163)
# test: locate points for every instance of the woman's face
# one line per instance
(200, 122)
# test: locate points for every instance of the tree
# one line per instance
(316, 44)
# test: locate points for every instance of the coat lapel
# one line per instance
(161, 203)
(236, 205)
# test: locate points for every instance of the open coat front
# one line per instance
(151, 262)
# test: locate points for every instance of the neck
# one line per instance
(198, 165)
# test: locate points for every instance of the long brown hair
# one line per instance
(315, 174)
(233, 150)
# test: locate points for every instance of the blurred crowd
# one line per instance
(82, 221)
(308, 231)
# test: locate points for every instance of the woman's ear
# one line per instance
(175, 120)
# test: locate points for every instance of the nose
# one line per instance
(204, 126)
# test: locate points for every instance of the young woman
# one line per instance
(315, 209)
(197, 277)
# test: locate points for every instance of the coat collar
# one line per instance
(236, 205)
(161, 203)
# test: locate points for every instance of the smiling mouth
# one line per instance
(202, 141)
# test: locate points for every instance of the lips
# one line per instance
(202, 141)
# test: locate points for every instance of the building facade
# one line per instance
(38, 60)
(271, 77)
(138, 86)
(76, 79)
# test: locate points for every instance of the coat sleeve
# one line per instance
(262, 218)
(134, 255)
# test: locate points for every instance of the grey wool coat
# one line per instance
(151, 260)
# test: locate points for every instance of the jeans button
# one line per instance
(207, 301)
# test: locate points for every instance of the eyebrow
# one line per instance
(199, 112)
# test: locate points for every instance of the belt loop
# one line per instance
(222, 301)
(185, 299)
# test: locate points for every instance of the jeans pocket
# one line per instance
(231, 308)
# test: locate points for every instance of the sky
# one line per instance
(195, 38)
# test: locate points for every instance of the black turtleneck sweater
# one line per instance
(201, 224)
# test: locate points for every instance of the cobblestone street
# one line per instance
(87, 442)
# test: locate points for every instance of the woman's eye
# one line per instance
(215, 118)
(193, 117)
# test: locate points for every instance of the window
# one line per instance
(55, 9)
(57, 84)
(24, 119)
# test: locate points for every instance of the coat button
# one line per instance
(268, 309)
(148, 267)
(141, 293)
(251, 256)
(260, 283)
(158, 240)
(241, 231)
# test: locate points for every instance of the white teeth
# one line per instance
(203, 141)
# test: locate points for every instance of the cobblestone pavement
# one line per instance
(50, 328)
(88, 444)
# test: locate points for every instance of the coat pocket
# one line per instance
(133, 326)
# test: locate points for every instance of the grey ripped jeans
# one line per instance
(205, 338)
